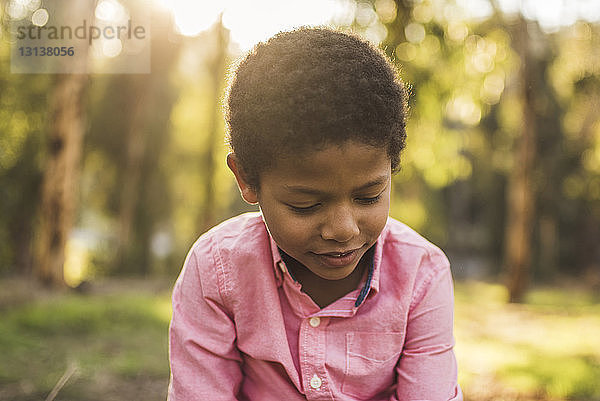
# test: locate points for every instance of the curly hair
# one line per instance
(309, 88)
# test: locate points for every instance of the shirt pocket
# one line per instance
(371, 359)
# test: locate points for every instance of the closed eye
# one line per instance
(305, 209)
(369, 201)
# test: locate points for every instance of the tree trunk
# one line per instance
(134, 156)
(520, 192)
(61, 175)
(549, 244)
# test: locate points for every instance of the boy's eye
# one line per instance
(303, 209)
(369, 201)
(312, 208)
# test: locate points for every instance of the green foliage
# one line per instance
(458, 68)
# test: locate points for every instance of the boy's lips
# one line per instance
(337, 253)
(338, 258)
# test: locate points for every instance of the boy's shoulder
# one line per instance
(244, 221)
(399, 234)
(408, 254)
(244, 230)
(241, 225)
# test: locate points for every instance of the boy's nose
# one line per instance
(340, 226)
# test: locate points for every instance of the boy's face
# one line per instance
(326, 208)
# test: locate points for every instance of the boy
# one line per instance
(320, 296)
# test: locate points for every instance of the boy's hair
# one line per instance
(309, 88)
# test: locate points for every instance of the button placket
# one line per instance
(312, 358)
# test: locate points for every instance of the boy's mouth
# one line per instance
(338, 254)
(338, 258)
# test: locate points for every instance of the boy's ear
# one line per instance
(248, 192)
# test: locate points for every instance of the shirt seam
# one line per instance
(221, 273)
(419, 292)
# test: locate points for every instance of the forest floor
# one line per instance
(110, 343)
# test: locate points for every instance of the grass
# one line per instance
(116, 341)
(545, 349)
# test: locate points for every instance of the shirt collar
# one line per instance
(278, 264)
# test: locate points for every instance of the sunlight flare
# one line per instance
(252, 22)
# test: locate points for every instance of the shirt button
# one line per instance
(314, 321)
(315, 382)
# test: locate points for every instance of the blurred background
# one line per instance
(106, 180)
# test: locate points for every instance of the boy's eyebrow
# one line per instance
(312, 191)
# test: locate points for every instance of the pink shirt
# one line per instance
(242, 329)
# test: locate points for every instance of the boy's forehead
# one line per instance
(350, 161)
(376, 182)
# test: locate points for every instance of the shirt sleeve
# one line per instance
(205, 362)
(427, 368)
